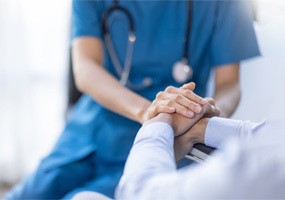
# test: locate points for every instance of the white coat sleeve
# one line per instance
(150, 171)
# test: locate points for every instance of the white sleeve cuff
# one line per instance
(154, 131)
(220, 129)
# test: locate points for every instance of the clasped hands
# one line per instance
(186, 112)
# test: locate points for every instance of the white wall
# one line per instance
(263, 79)
(34, 39)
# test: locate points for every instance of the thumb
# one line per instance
(189, 86)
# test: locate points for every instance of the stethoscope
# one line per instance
(181, 70)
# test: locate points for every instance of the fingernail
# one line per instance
(197, 109)
(171, 109)
(189, 113)
(213, 108)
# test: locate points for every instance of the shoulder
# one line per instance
(87, 5)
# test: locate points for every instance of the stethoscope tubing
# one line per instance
(124, 72)
(107, 13)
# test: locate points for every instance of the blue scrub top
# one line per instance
(222, 33)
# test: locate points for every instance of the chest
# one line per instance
(160, 29)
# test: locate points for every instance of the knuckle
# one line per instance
(156, 108)
(169, 103)
(178, 97)
(192, 107)
(188, 93)
(208, 108)
(169, 88)
(211, 100)
(159, 95)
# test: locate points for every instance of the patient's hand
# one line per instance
(187, 131)
(184, 143)
(215, 110)
(182, 124)
(179, 123)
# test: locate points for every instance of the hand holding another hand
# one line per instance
(182, 101)
(173, 107)
(187, 131)
(185, 142)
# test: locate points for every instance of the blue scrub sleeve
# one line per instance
(234, 37)
(86, 18)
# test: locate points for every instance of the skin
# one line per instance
(226, 96)
(177, 98)
(89, 71)
(185, 142)
(187, 131)
(227, 89)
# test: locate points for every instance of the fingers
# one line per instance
(155, 109)
(213, 113)
(186, 93)
(180, 100)
(207, 109)
(179, 108)
(177, 100)
(183, 101)
(210, 100)
(214, 109)
(194, 97)
(189, 86)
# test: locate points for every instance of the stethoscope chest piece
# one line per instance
(181, 71)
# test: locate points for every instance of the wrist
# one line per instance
(162, 117)
(166, 118)
(141, 115)
(199, 130)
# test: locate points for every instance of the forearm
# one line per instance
(91, 78)
(107, 91)
(227, 98)
(150, 169)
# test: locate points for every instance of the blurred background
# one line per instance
(34, 63)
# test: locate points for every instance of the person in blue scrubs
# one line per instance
(92, 149)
